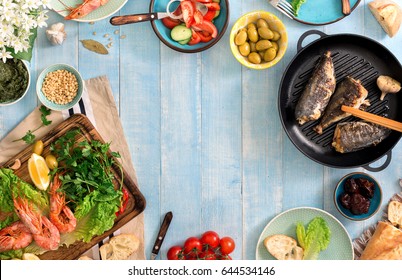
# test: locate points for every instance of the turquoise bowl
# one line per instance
(163, 33)
(375, 202)
(50, 104)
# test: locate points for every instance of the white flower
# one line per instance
(4, 55)
(17, 20)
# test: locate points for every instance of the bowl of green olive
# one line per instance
(258, 40)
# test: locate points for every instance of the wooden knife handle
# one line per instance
(162, 232)
(345, 7)
(121, 20)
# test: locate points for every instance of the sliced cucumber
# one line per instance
(181, 33)
(216, 1)
(183, 42)
(217, 14)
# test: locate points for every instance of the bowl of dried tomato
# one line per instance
(358, 196)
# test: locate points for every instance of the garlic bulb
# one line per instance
(56, 34)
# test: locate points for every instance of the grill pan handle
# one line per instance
(306, 34)
(382, 167)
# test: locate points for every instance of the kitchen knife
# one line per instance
(161, 235)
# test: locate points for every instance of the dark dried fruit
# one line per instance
(359, 204)
(351, 186)
(366, 188)
(346, 200)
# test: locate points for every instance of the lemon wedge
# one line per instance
(39, 171)
(30, 257)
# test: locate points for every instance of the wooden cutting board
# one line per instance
(136, 203)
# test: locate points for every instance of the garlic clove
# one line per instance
(16, 165)
(56, 34)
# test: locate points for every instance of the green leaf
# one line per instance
(29, 137)
(296, 4)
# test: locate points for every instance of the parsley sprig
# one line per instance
(29, 136)
(85, 166)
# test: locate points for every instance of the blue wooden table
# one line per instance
(204, 131)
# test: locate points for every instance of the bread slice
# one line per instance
(120, 247)
(388, 14)
(395, 213)
(385, 244)
(283, 247)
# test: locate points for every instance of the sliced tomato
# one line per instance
(204, 1)
(198, 17)
(195, 38)
(210, 15)
(170, 22)
(207, 26)
(213, 6)
(204, 36)
(188, 10)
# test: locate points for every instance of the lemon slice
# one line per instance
(39, 171)
(30, 257)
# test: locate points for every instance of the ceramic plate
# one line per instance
(320, 12)
(102, 12)
(339, 248)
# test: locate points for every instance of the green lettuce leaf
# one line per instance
(314, 239)
(296, 4)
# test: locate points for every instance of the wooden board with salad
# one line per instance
(81, 182)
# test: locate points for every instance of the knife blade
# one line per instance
(161, 235)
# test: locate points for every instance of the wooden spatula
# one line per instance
(394, 125)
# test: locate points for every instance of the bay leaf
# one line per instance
(94, 46)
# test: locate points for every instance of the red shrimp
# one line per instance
(60, 215)
(45, 234)
(86, 7)
(15, 236)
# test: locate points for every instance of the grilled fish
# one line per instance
(349, 92)
(353, 136)
(318, 91)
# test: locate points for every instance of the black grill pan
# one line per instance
(353, 55)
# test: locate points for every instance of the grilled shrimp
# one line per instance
(60, 215)
(14, 237)
(86, 7)
(45, 234)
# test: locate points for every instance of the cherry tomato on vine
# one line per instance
(207, 255)
(210, 239)
(192, 246)
(175, 253)
(227, 245)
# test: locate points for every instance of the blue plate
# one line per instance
(321, 12)
(375, 202)
(221, 23)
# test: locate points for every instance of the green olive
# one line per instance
(241, 38)
(252, 34)
(244, 49)
(263, 45)
(276, 36)
(275, 46)
(254, 58)
(51, 161)
(252, 46)
(251, 25)
(269, 54)
(265, 33)
(38, 147)
(262, 23)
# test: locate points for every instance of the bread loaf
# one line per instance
(388, 14)
(395, 213)
(283, 247)
(385, 244)
(120, 247)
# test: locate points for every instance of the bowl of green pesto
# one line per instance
(14, 81)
